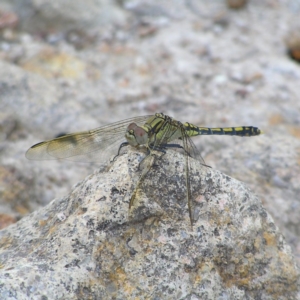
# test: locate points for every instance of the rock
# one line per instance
(39, 15)
(271, 167)
(292, 41)
(87, 245)
(236, 4)
(28, 102)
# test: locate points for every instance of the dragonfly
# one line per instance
(157, 133)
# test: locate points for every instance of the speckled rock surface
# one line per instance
(87, 245)
(64, 69)
(39, 15)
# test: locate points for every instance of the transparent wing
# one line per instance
(191, 149)
(174, 131)
(88, 146)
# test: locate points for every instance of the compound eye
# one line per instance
(139, 132)
(136, 135)
(141, 136)
(131, 127)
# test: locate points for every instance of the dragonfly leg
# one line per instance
(160, 148)
(177, 146)
(121, 146)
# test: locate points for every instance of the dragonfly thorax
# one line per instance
(136, 135)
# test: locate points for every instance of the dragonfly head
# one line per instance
(136, 135)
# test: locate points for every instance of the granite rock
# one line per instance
(38, 15)
(88, 245)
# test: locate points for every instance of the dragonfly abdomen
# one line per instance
(239, 131)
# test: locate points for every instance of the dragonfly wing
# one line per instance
(193, 150)
(87, 146)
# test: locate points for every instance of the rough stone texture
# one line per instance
(41, 15)
(88, 246)
(194, 60)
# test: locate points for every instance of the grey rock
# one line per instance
(270, 166)
(87, 245)
(27, 102)
(39, 15)
(32, 99)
